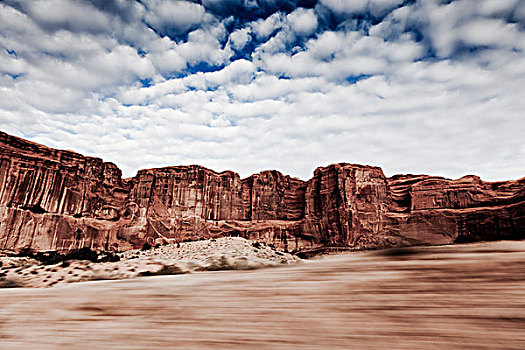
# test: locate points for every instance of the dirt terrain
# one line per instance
(228, 253)
(450, 297)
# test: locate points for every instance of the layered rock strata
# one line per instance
(60, 200)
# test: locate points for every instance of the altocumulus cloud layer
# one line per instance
(426, 86)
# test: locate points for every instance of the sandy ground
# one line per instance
(229, 253)
(453, 297)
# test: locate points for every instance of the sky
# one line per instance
(426, 86)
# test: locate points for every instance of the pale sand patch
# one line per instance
(231, 253)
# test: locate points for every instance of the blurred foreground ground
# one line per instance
(462, 297)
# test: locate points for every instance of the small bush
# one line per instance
(53, 257)
(83, 254)
(219, 264)
(7, 283)
(165, 270)
(108, 257)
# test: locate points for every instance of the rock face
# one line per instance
(345, 204)
(60, 200)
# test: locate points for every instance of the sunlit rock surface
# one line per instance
(60, 200)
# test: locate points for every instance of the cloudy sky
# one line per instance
(425, 86)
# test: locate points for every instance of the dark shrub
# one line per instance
(108, 257)
(83, 254)
(4, 283)
(165, 270)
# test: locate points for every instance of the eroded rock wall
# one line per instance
(60, 200)
(56, 200)
(433, 210)
(345, 204)
(271, 195)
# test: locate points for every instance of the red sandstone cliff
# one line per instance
(60, 200)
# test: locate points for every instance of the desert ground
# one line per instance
(227, 253)
(469, 296)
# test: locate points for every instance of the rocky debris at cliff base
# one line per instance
(230, 253)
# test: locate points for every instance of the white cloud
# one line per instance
(168, 61)
(520, 11)
(497, 7)
(238, 72)
(490, 32)
(64, 14)
(204, 45)
(451, 26)
(263, 28)
(175, 15)
(308, 96)
(376, 7)
(10, 64)
(303, 21)
(240, 38)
